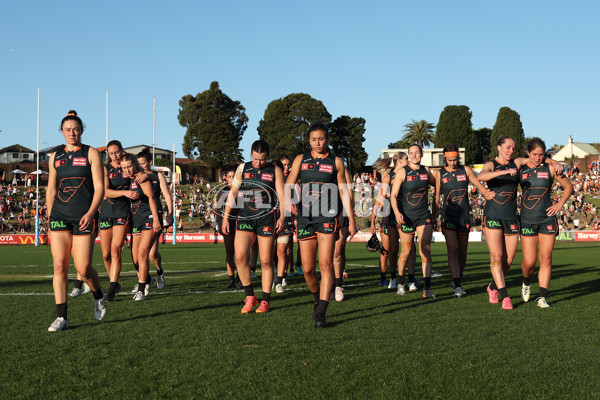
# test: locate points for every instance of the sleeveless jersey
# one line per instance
(119, 206)
(75, 187)
(221, 199)
(454, 191)
(156, 190)
(140, 207)
(319, 194)
(504, 204)
(386, 210)
(536, 184)
(413, 193)
(257, 192)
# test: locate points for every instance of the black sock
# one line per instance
(382, 275)
(493, 286)
(401, 280)
(279, 280)
(316, 296)
(142, 287)
(61, 310)
(266, 297)
(338, 282)
(231, 278)
(527, 281)
(112, 288)
(285, 275)
(427, 283)
(411, 278)
(456, 282)
(98, 294)
(322, 307)
(461, 276)
(543, 292)
(503, 292)
(160, 271)
(393, 275)
(249, 290)
(78, 284)
(149, 280)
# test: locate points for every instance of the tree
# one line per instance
(419, 132)
(215, 125)
(400, 144)
(286, 122)
(455, 127)
(483, 144)
(508, 123)
(346, 139)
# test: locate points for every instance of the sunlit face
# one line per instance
(114, 153)
(145, 164)
(129, 168)
(318, 141)
(72, 132)
(536, 156)
(452, 162)
(229, 177)
(259, 160)
(507, 149)
(286, 166)
(415, 154)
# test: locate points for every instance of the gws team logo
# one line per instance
(414, 198)
(532, 196)
(318, 199)
(68, 187)
(260, 200)
(455, 197)
(503, 197)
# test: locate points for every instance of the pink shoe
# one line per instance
(506, 304)
(249, 304)
(493, 295)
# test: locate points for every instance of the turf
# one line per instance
(190, 341)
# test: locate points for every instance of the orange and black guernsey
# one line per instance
(75, 187)
(319, 196)
(140, 207)
(504, 204)
(455, 188)
(413, 194)
(257, 191)
(536, 184)
(117, 207)
(388, 213)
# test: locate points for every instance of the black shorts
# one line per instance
(262, 226)
(508, 226)
(288, 227)
(63, 225)
(310, 229)
(388, 228)
(145, 224)
(461, 227)
(108, 222)
(410, 226)
(231, 227)
(547, 227)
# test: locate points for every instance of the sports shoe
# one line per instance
(525, 292)
(148, 284)
(59, 324)
(86, 288)
(493, 295)
(506, 304)
(383, 283)
(428, 294)
(412, 287)
(332, 295)
(279, 288)
(458, 292)
(462, 291)
(238, 283)
(339, 293)
(264, 307)
(100, 307)
(249, 303)
(291, 273)
(253, 275)
(345, 275)
(393, 284)
(76, 292)
(541, 302)
(160, 281)
(139, 296)
(435, 274)
(320, 321)
(284, 282)
(230, 284)
(299, 270)
(110, 296)
(400, 290)
(135, 288)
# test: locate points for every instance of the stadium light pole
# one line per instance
(174, 201)
(37, 176)
(153, 129)
(106, 144)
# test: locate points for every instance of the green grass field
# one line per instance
(190, 340)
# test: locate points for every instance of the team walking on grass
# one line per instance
(264, 202)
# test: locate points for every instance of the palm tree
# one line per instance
(419, 132)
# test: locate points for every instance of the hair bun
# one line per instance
(72, 113)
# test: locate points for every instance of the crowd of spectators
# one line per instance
(17, 209)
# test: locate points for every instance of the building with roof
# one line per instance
(574, 150)
(16, 154)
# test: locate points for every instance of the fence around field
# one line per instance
(361, 237)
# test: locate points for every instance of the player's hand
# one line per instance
(557, 167)
(225, 226)
(553, 210)
(372, 227)
(156, 226)
(510, 171)
(86, 222)
(141, 177)
(351, 231)
(131, 194)
(489, 194)
(279, 225)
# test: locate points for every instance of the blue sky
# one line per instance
(388, 62)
